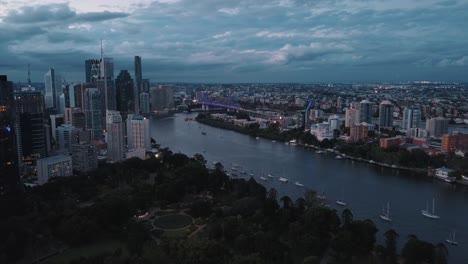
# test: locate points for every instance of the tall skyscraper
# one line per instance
(162, 98)
(138, 82)
(8, 158)
(386, 114)
(92, 70)
(144, 103)
(92, 110)
(437, 126)
(411, 118)
(138, 132)
(145, 85)
(365, 111)
(124, 92)
(30, 129)
(115, 136)
(53, 89)
(100, 73)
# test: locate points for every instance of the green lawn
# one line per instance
(88, 251)
(173, 221)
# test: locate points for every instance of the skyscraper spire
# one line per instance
(29, 74)
(103, 74)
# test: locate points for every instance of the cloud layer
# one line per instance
(241, 41)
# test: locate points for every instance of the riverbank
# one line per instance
(328, 146)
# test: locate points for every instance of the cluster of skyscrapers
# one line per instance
(68, 126)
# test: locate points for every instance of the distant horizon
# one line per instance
(244, 41)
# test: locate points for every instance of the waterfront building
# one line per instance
(390, 142)
(365, 111)
(55, 166)
(360, 131)
(334, 122)
(454, 141)
(321, 131)
(351, 117)
(92, 110)
(8, 158)
(162, 98)
(145, 103)
(138, 132)
(437, 126)
(115, 136)
(84, 157)
(411, 118)
(444, 173)
(386, 114)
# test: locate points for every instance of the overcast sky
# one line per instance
(241, 40)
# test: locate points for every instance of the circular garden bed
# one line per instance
(173, 221)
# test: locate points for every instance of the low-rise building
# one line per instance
(136, 153)
(455, 141)
(390, 142)
(444, 173)
(56, 166)
(84, 157)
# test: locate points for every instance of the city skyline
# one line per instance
(239, 41)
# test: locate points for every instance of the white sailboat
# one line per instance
(341, 201)
(385, 215)
(451, 239)
(299, 184)
(428, 214)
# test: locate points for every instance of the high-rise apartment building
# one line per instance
(411, 118)
(115, 136)
(8, 158)
(365, 111)
(351, 117)
(138, 82)
(30, 129)
(386, 114)
(138, 132)
(437, 126)
(93, 115)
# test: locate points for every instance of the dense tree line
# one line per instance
(243, 221)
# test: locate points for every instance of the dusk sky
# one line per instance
(240, 41)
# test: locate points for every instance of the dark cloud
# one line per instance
(247, 40)
(57, 13)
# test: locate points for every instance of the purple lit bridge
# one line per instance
(229, 102)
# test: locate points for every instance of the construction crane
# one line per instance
(306, 114)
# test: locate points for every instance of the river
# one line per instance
(365, 187)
